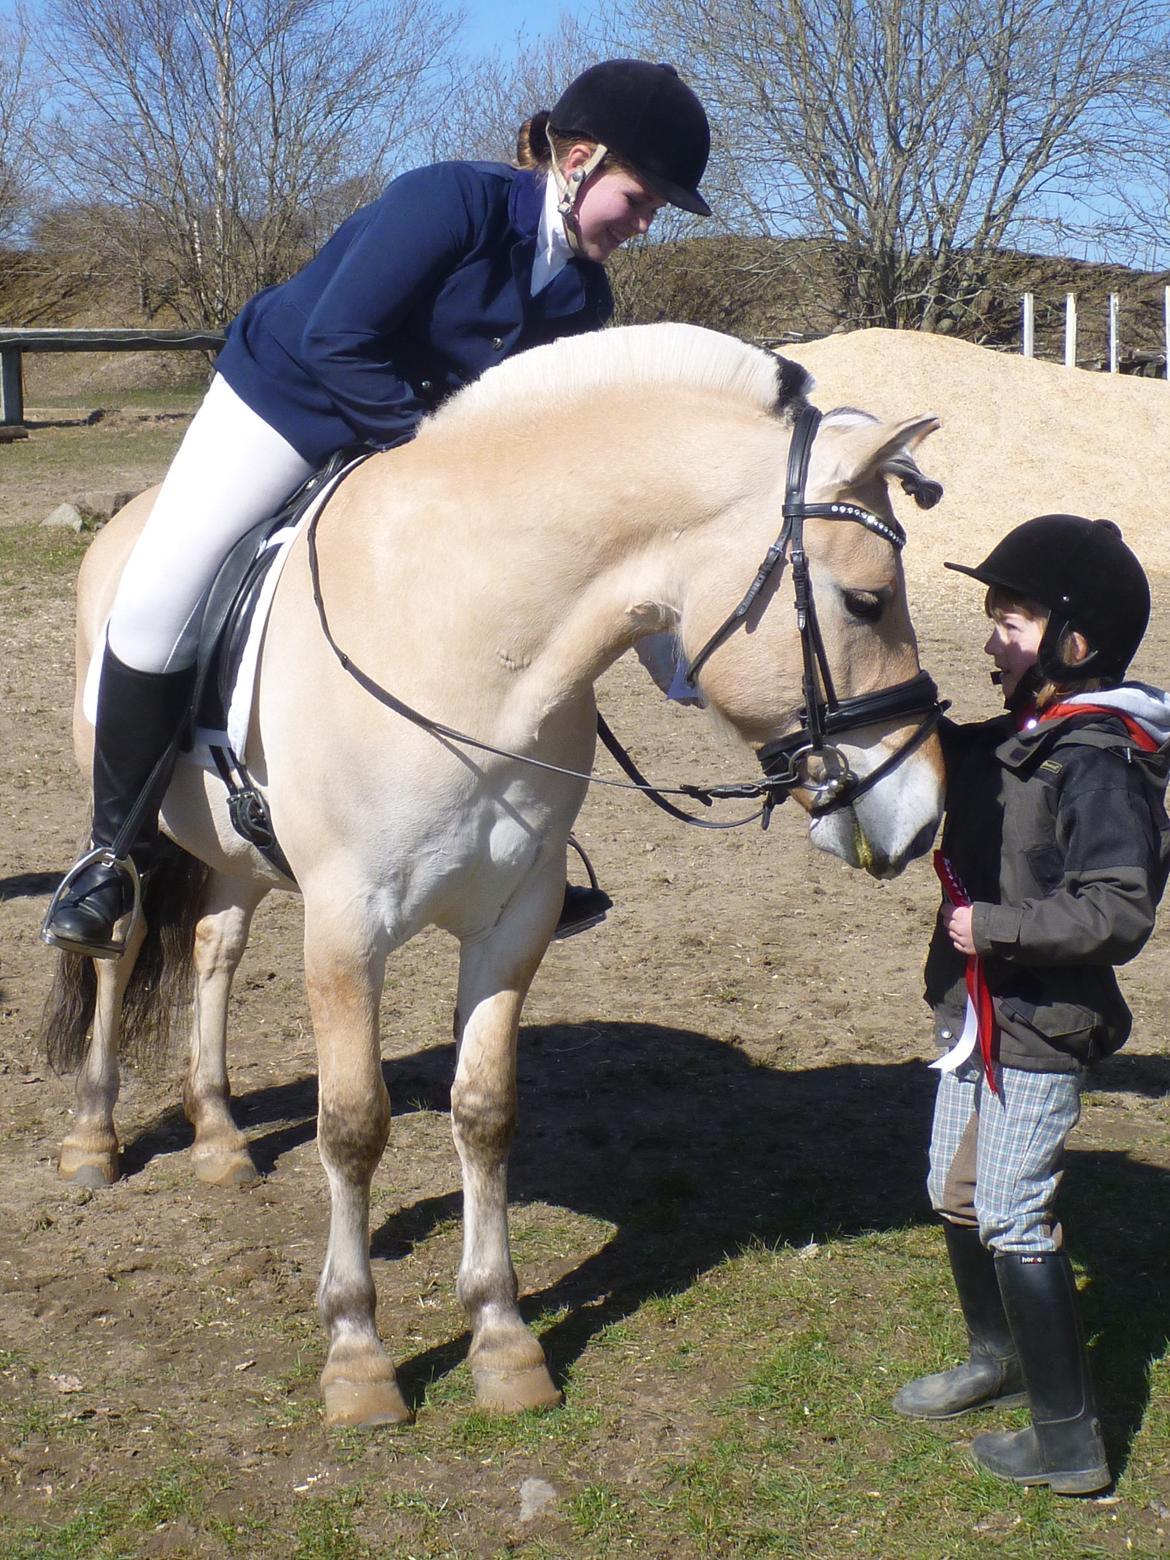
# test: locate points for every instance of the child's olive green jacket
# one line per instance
(1059, 834)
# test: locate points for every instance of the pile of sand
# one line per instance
(1019, 437)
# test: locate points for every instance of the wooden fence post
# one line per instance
(1070, 330)
(1114, 351)
(11, 388)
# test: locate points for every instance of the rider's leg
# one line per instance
(230, 471)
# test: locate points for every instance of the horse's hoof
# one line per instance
(226, 1169)
(500, 1392)
(88, 1169)
(366, 1403)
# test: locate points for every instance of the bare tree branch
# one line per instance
(227, 133)
(917, 135)
(19, 109)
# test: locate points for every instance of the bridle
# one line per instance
(786, 761)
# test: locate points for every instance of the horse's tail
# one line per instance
(159, 988)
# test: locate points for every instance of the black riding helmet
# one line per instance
(1089, 580)
(646, 115)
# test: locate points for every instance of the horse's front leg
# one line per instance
(90, 1153)
(220, 1153)
(507, 1362)
(344, 970)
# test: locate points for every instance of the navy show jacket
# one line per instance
(413, 296)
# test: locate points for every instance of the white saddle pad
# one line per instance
(235, 738)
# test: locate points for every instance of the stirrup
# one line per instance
(591, 904)
(100, 855)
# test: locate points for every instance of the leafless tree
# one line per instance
(1135, 219)
(501, 89)
(18, 115)
(223, 131)
(916, 136)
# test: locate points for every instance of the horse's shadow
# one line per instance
(692, 1152)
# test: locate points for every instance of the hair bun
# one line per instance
(532, 149)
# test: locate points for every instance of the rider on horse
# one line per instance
(453, 268)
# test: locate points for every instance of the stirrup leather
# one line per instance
(100, 855)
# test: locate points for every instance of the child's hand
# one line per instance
(957, 920)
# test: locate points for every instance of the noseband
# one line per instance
(786, 762)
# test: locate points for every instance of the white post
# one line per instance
(1113, 351)
(1166, 333)
(1070, 330)
(1029, 325)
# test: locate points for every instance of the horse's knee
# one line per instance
(352, 1134)
(220, 941)
(483, 1120)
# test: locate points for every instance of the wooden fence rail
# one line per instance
(14, 343)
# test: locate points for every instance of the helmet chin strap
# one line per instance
(570, 185)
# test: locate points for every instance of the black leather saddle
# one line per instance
(228, 610)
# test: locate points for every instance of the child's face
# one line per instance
(1014, 644)
(613, 206)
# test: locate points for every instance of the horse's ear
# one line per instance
(889, 452)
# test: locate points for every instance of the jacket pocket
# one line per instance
(1049, 1021)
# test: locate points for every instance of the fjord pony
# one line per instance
(574, 500)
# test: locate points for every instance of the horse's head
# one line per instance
(831, 694)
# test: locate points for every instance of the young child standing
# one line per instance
(1054, 855)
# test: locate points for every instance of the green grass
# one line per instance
(34, 552)
(777, 1440)
(41, 471)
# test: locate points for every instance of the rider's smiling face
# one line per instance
(614, 205)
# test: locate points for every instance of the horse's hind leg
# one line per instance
(220, 1153)
(507, 1363)
(90, 1152)
(344, 970)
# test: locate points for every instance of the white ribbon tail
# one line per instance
(963, 1046)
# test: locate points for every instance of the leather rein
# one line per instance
(785, 762)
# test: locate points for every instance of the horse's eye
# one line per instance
(864, 604)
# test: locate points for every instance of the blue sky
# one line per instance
(494, 23)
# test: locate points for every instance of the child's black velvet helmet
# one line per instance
(1089, 580)
(646, 115)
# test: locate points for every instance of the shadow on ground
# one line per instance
(694, 1151)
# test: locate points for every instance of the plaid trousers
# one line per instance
(997, 1163)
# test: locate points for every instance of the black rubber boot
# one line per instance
(1062, 1447)
(992, 1373)
(139, 717)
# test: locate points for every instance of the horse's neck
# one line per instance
(535, 568)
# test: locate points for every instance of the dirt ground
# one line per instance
(746, 1031)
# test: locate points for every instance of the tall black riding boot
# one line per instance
(139, 718)
(1062, 1447)
(992, 1373)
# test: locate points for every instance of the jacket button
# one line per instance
(497, 343)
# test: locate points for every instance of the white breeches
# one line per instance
(231, 470)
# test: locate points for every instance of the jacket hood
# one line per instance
(1147, 705)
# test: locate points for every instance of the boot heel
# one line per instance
(1088, 1481)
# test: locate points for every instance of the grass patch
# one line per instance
(745, 1416)
(36, 553)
